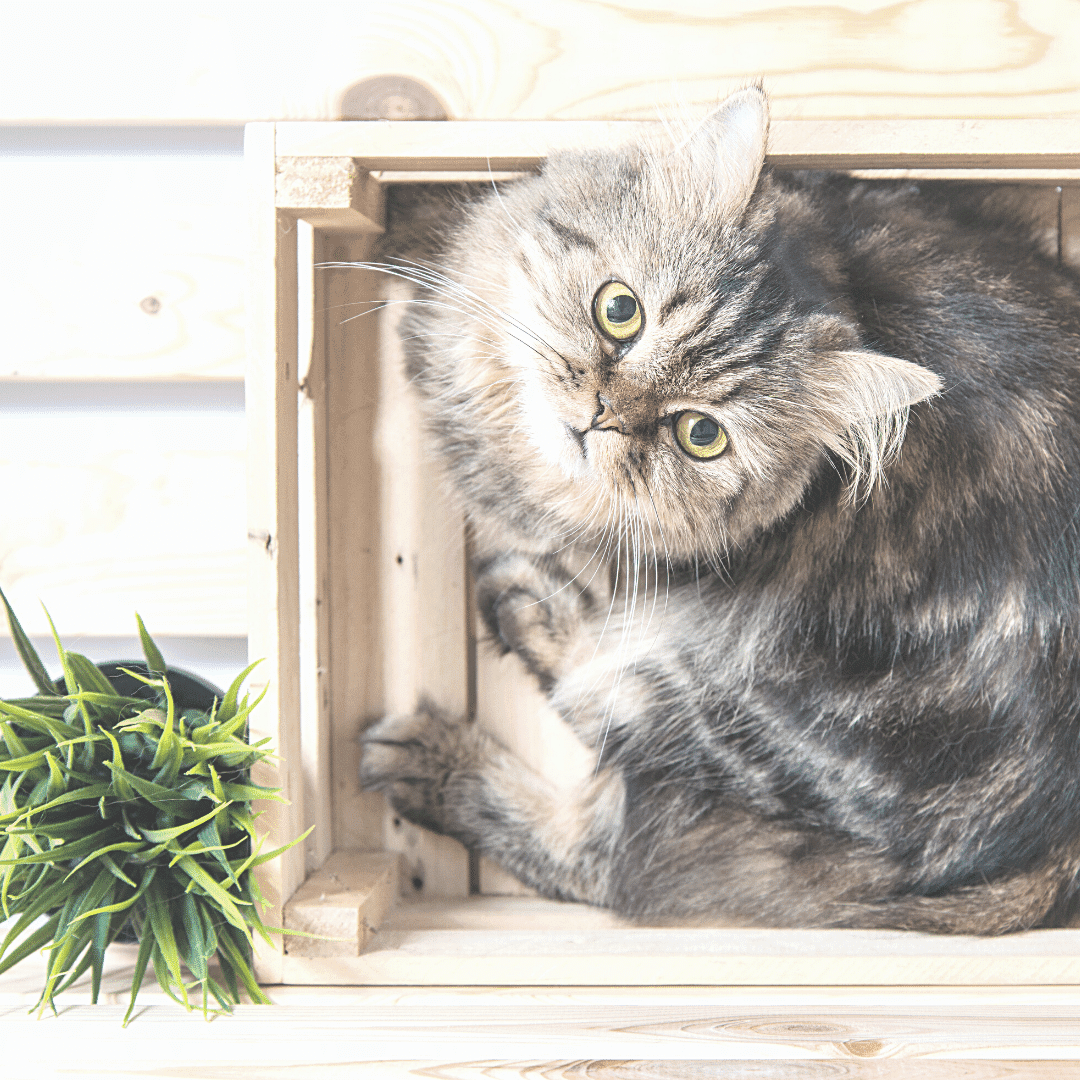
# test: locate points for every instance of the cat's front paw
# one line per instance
(532, 611)
(418, 762)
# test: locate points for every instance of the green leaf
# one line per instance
(210, 837)
(86, 794)
(73, 827)
(30, 944)
(154, 660)
(15, 746)
(167, 799)
(66, 852)
(120, 783)
(240, 965)
(170, 750)
(146, 947)
(56, 730)
(123, 905)
(215, 780)
(123, 845)
(22, 764)
(197, 954)
(89, 676)
(226, 902)
(57, 783)
(157, 911)
(228, 706)
(158, 836)
(258, 860)
(43, 900)
(239, 721)
(27, 653)
(69, 675)
(100, 941)
(251, 792)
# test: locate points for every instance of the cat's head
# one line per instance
(657, 335)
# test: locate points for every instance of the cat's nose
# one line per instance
(607, 419)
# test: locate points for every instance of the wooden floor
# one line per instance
(479, 1033)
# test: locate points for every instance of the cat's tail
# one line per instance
(743, 868)
(1047, 895)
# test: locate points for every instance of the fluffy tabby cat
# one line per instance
(824, 436)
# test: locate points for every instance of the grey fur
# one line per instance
(832, 675)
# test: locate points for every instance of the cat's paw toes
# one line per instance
(412, 760)
(530, 611)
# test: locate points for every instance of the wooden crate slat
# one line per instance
(695, 957)
(273, 526)
(793, 144)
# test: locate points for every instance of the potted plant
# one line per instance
(125, 805)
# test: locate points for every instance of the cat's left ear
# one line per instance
(861, 400)
(729, 147)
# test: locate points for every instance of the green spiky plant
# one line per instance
(122, 812)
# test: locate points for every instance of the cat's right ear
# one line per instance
(728, 149)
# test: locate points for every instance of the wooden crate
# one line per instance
(359, 599)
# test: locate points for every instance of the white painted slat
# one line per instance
(118, 266)
(112, 510)
(565, 58)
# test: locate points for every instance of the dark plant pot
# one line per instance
(189, 691)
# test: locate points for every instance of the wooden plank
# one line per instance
(421, 594)
(541, 1043)
(273, 524)
(540, 1033)
(122, 267)
(793, 144)
(354, 553)
(343, 903)
(697, 957)
(566, 58)
(332, 193)
(313, 549)
(123, 503)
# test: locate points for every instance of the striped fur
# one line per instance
(831, 675)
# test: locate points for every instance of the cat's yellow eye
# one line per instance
(700, 435)
(617, 311)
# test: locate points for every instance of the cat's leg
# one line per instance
(450, 776)
(537, 609)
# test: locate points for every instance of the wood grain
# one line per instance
(562, 59)
(109, 512)
(342, 904)
(464, 1039)
(557, 1033)
(422, 594)
(122, 267)
(272, 528)
(793, 144)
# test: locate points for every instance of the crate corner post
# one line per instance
(271, 406)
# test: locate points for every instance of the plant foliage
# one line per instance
(122, 812)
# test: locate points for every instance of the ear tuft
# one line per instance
(729, 148)
(863, 399)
